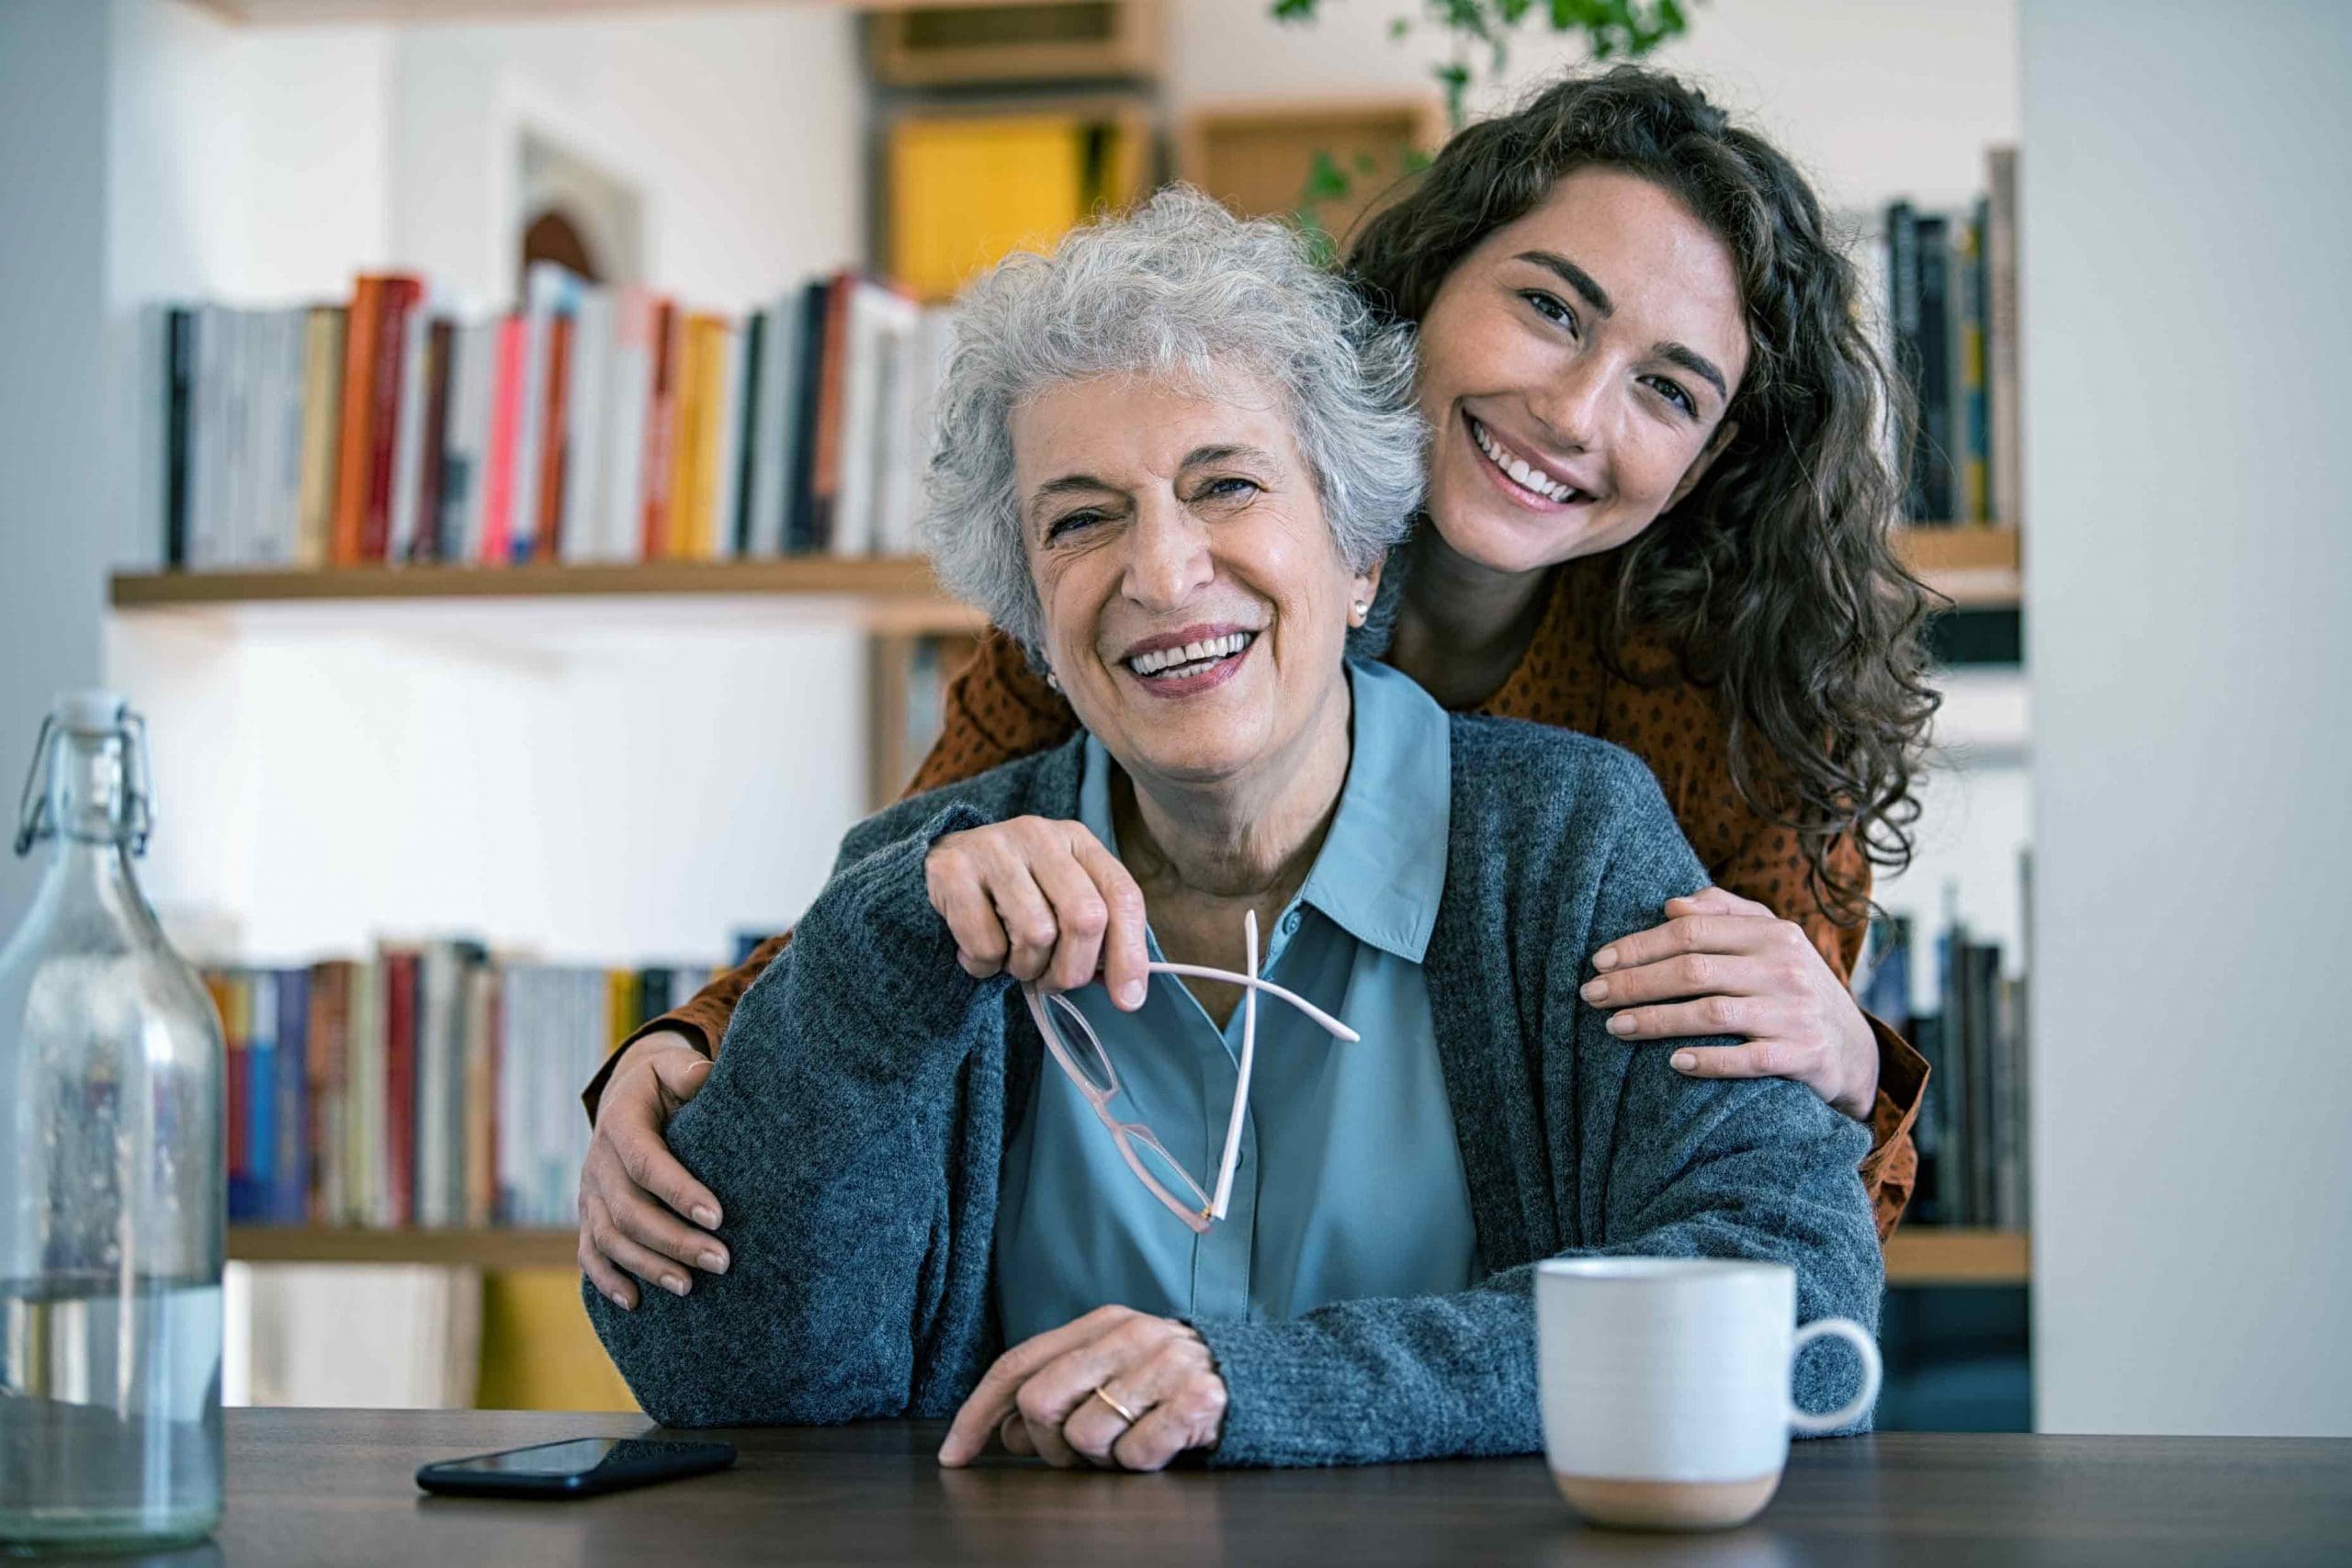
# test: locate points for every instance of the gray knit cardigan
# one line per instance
(856, 1120)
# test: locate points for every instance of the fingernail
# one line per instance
(1605, 959)
(1131, 994)
(1623, 1023)
(675, 1285)
(1683, 1061)
(617, 1299)
(706, 1216)
(1596, 990)
(714, 1262)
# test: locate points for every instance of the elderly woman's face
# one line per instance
(1197, 606)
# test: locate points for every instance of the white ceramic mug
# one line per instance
(1665, 1385)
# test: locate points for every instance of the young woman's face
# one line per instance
(1575, 369)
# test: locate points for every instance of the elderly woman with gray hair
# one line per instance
(1114, 1230)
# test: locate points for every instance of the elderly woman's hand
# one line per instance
(1117, 1389)
(1045, 900)
(1724, 964)
(632, 1189)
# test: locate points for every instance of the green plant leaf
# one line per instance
(1325, 181)
(1293, 10)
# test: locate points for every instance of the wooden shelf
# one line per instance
(1932, 1255)
(483, 1248)
(1977, 566)
(1918, 1254)
(898, 588)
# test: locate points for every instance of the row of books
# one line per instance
(591, 426)
(1951, 317)
(1971, 1131)
(431, 1085)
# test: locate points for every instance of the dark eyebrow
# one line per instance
(1572, 276)
(1203, 456)
(1576, 277)
(1698, 364)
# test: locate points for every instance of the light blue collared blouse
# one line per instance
(1350, 1182)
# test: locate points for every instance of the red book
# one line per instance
(549, 523)
(403, 296)
(399, 1080)
(505, 427)
(660, 432)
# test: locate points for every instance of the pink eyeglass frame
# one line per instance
(1207, 1210)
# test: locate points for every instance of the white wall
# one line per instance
(53, 525)
(1876, 100)
(2187, 474)
(744, 127)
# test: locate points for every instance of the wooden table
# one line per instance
(331, 1486)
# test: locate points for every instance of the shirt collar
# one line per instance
(1380, 872)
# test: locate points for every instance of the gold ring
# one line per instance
(1123, 1412)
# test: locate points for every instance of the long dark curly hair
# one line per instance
(1774, 582)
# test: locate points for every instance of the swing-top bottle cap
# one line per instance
(91, 712)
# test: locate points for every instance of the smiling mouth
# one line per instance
(1520, 472)
(1173, 664)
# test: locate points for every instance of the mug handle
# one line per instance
(1853, 1332)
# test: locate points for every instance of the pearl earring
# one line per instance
(1052, 680)
(1361, 610)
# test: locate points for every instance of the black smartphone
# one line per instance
(581, 1466)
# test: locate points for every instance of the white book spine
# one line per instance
(854, 506)
(294, 362)
(583, 468)
(894, 444)
(624, 446)
(236, 436)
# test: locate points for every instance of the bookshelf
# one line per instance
(1920, 1255)
(885, 583)
(1975, 565)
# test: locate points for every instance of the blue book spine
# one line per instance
(261, 1099)
(289, 1187)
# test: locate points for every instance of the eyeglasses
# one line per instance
(1102, 1085)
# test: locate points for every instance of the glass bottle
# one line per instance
(111, 1172)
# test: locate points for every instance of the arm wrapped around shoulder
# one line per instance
(831, 1133)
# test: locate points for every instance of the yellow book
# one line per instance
(710, 408)
(688, 383)
(964, 193)
(322, 427)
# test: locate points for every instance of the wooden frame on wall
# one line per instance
(1040, 41)
(1255, 156)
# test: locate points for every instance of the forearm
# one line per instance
(827, 1132)
(701, 1020)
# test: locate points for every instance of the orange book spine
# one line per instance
(355, 458)
(549, 523)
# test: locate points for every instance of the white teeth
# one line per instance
(1181, 660)
(1521, 473)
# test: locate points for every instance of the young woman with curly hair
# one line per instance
(1657, 512)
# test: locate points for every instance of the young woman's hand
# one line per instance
(632, 1189)
(1040, 1396)
(1044, 900)
(1724, 964)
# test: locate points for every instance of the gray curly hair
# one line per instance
(1179, 290)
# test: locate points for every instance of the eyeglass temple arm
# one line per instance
(1330, 1025)
(1242, 1083)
